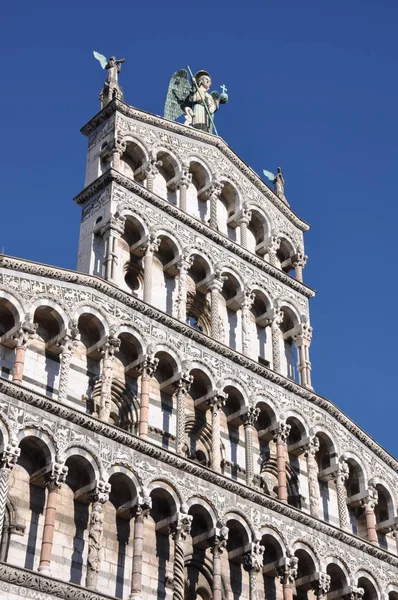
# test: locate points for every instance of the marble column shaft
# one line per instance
(281, 433)
(249, 419)
(67, 343)
(22, 337)
(8, 460)
(216, 403)
(180, 529)
(276, 337)
(108, 350)
(369, 503)
(149, 249)
(140, 513)
(147, 369)
(98, 498)
(340, 476)
(310, 451)
(181, 389)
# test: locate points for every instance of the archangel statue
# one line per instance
(111, 87)
(193, 99)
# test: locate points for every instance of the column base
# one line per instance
(44, 570)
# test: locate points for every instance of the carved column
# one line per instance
(180, 529)
(369, 503)
(67, 343)
(246, 304)
(355, 593)
(253, 563)
(111, 232)
(118, 148)
(281, 433)
(303, 341)
(108, 350)
(340, 477)
(310, 451)
(218, 546)
(243, 221)
(272, 248)
(183, 268)
(276, 322)
(216, 403)
(395, 534)
(8, 460)
(54, 480)
(322, 586)
(213, 195)
(140, 513)
(298, 265)
(98, 497)
(150, 248)
(183, 184)
(181, 389)
(147, 369)
(22, 338)
(249, 419)
(215, 286)
(287, 575)
(151, 170)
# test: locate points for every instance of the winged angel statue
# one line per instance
(111, 87)
(193, 99)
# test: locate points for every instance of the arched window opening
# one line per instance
(369, 589)
(42, 356)
(289, 351)
(125, 403)
(198, 303)
(198, 419)
(131, 275)
(285, 255)
(296, 466)
(227, 205)
(306, 575)
(257, 233)
(197, 205)
(325, 457)
(164, 271)
(236, 546)
(162, 407)
(260, 338)
(163, 182)
(384, 513)
(132, 161)
(87, 360)
(229, 313)
(265, 451)
(8, 325)
(232, 434)
(338, 580)
(354, 485)
(157, 527)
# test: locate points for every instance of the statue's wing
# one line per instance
(269, 175)
(179, 89)
(101, 58)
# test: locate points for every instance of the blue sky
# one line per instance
(312, 87)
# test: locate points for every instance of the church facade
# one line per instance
(160, 435)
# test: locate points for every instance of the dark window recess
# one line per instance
(193, 322)
(263, 361)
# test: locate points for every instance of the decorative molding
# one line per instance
(112, 176)
(20, 581)
(111, 291)
(207, 138)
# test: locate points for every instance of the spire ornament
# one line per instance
(111, 87)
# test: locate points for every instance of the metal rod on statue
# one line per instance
(203, 100)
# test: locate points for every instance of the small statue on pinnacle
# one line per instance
(278, 182)
(193, 99)
(111, 87)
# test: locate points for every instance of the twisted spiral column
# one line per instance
(273, 247)
(67, 344)
(183, 184)
(180, 529)
(298, 265)
(218, 546)
(369, 503)
(303, 341)
(246, 304)
(276, 340)
(243, 221)
(253, 563)
(183, 269)
(215, 286)
(340, 476)
(216, 403)
(182, 387)
(214, 193)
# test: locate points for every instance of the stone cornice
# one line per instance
(31, 580)
(207, 138)
(150, 449)
(114, 176)
(102, 286)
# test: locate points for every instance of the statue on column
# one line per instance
(193, 99)
(111, 87)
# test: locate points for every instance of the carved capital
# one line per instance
(56, 476)
(281, 432)
(322, 585)
(111, 345)
(219, 542)
(151, 168)
(303, 336)
(25, 332)
(100, 493)
(246, 300)
(151, 245)
(355, 594)
(181, 527)
(250, 416)
(148, 366)
(299, 260)
(371, 499)
(244, 217)
(67, 342)
(342, 472)
(288, 572)
(253, 559)
(185, 178)
(217, 401)
(214, 190)
(217, 281)
(9, 456)
(273, 244)
(183, 385)
(312, 447)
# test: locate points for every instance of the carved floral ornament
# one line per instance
(120, 309)
(225, 499)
